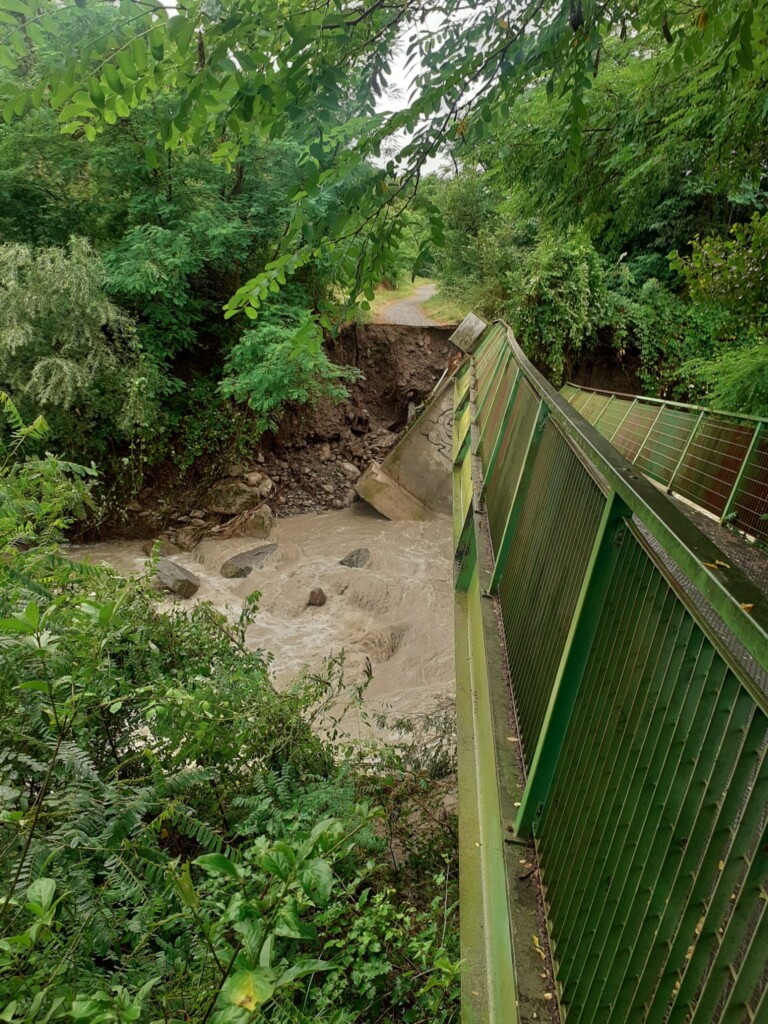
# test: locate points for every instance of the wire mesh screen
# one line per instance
(711, 465)
(634, 429)
(652, 842)
(665, 443)
(503, 482)
(543, 572)
(496, 408)
(751, 501)
(716, 462)
(492, 348)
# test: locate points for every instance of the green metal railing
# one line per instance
(613, 710)
(717, 460)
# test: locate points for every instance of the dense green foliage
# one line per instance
(179, 843)
(212, 156)
(641, 245)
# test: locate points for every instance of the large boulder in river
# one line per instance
(176, 578)
(164, 548)
(356, 559)
(243, 564)
(231, 497)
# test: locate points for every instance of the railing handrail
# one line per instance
(686, 406)
(738, 601)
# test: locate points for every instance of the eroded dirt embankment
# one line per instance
(391, 614)
(314, 459)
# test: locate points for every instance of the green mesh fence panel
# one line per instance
(652, 841)
(543, 573)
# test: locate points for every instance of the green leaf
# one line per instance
(96, 93)
(316, 880)
(184, 887)
(157, 43)
(16, 626)
(42, 891)
(127, 66)
(303, 968)
(249, 989)
(114, 81)
(7, 60)
(217, 864)
(139, 55)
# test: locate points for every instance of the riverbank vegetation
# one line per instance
(637, 242)
(182, 842)
(190, 199)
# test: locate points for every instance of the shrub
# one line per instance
(282, 361)
(66, 349)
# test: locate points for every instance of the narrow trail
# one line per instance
(410, 312)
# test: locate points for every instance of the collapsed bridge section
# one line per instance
(612, 691)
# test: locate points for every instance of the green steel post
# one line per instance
(584, 623)
(686, 449)
(500, 372)
(497, 445)
(493, 385)
(742, 470)
(606, 407)
(648, 434)
(522, 489)
(632, 405)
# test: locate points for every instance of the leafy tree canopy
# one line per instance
(236, 71)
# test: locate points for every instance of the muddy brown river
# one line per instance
(396, 611)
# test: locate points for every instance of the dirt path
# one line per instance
(410, 311)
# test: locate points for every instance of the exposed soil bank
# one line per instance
(312, 461)
(396, 611)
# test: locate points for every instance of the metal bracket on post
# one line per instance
(517, 504)
(586, 617)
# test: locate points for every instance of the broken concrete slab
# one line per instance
(467, 334)
(419, 466)
(379, 489)
(242, 565)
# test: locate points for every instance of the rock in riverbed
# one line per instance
(231, 497)
(356, 559)
(317, 597)
(176, 579)
(243, 564)
(164, 548)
